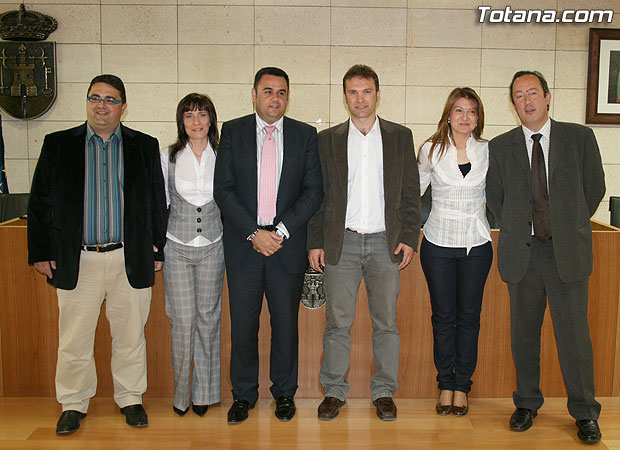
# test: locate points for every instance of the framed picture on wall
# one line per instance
(603, 93)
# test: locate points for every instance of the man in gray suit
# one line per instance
(545, 181)
(368, 226)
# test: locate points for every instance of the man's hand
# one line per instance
(45, 268)
(158, 264)
(407, 255)
(267, 242)
(316, 257)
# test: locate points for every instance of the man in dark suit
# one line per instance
(368, 226)
(267, 185)
(96, 229)
(545, 181)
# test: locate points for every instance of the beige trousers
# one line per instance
(102, 275)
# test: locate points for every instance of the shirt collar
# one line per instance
(261, 124)
(188, 147)
(545, 130)
(374, 131)
(470, 140)
(90, 132)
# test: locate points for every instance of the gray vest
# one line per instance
(187, 221)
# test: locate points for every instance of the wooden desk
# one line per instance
(29, 333)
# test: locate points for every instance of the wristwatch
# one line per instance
(280, 233)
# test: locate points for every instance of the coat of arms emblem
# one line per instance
(27, 64)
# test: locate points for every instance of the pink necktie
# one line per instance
(267, 189)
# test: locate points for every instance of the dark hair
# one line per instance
(441, 137)
(537, 74)
(360, 70)
(194, 102)
(113, 81)
(275, 71)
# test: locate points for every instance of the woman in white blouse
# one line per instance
(194, 267)
(456, 251)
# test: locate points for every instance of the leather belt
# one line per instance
(102, 248)
(267, 227)
(362, 232)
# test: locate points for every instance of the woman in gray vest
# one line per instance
(194, 267)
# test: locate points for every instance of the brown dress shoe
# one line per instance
(328, 409)
(386, 409)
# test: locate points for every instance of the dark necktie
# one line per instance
(540, 196)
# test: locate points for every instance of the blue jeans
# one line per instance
(456, 285)
(364, 255)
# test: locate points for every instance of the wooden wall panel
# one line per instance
(28, 334)
(603, 311)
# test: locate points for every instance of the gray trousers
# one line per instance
(568, 303)
(363, 255)
(193, 278)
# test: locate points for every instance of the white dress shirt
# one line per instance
(458, 217)
(193, 182)
(365, 196)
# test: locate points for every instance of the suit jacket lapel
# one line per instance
(289, 145)
(519, 151)
(248, 134)
(339, 150)
(75, 161)
(557, 140)
(131, 159)
(388, 139)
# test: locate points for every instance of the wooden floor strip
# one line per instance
(29, 423)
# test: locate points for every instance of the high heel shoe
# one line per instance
(443, 410)
(461, 410)
(200, 410)
(180, 412)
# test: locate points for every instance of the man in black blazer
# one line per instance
(545, 246)
(265, 235)
(368, 226)
(96, 229)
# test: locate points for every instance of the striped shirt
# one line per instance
(103, 189)
(278, 135)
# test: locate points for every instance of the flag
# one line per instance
(4, 187)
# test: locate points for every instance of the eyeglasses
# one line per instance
(107, 100)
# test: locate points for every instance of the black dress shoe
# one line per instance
(522, 419)
(285, 408)
(135, 415)
(238, 412)
(589, 431)
(69, 421)
(200, 410)
(180, 412)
